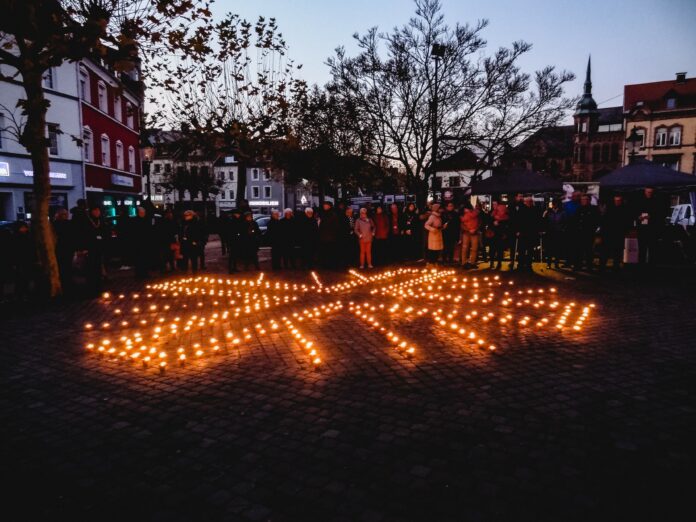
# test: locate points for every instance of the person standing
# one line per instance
(93, 235)
(528, 227)
(434, 227)
(615, 224)
(381, 221)
(650, 219)
(140, 242)
(167, 242)
(583, 228)
(349, 239)
(308, 238)
(500, 221)
(287, 238)
(250, 240)
(450, 232)
(365, 231)
(395, 235)
(233, 236)
(410, 228)
(471, 223)
(23, 254)
(191, 237)
(65, 247)
(329, 228)
(554, 233)
(273, 234)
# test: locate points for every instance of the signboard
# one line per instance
(263, 203)
(122, 181)
(54, 175)
(4, 169)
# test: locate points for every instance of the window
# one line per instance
(102, 97)
(119, 155)
(454, 181)
(266, 175)
(267, 192)
(49, 78)
(131, 159)
(255, 174)
(88, 144)
(675, 136)
(605, 152)
(117, 108)
(671, 102)
(129, 115)
(194, 171)
(584, 126)
(158, 168)
(661, 137)
(595, 153)
(230, 194)
(221, 175)
(231, 175)
(641, 135)
(583, 155)
(53, 132)
(84, 84)
(255, 191)
(105, 150)
(614, 152)
(167, 167)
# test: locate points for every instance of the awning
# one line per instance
(643, 173)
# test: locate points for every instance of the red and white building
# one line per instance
(110, 105)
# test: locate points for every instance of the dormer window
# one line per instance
(671, 102)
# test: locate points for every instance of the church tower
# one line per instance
(586, 118)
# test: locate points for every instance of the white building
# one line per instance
(226, 170)
(65, 156)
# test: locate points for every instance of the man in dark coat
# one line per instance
(275, 240)
(287, 238)
(167, 241)
(191, 237)
(307, 238)
(583, 227)
(232, 234)
(92, 236)
(615, 224)
(527, 226)
(650, 219)
(141, 240)
(329, 229)
(450, 232)
(249, 241)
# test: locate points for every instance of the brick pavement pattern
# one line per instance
(551, 425)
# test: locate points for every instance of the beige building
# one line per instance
(664, 116)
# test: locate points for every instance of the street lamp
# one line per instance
(437, 53)
(147, 161)
(633, 144)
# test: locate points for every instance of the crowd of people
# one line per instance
(575, 234)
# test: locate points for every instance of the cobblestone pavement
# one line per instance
(554, 424)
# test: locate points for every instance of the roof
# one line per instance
(643, 173)
(556, 142)
(464, 159)
(654, 95)
(609, 115)
(515, 181)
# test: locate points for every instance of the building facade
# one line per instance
(664, 116)
(110, 107)
(226, 170)
(65, 156)
(548, 151)
(599, 136)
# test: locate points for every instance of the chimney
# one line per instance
(681, 77)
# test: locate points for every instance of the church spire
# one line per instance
(588, 76)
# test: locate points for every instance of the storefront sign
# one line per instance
(4, 169)
(54, 175)
(123, 181)
(263, 203)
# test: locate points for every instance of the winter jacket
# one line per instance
(365, 229)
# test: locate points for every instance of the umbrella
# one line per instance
(643, 173)
(514, 181)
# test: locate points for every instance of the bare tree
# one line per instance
(484, 102)
(38, 34)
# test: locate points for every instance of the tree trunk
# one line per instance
(34, 140)
(241, 184)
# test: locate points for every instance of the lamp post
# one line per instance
(437, 52)
(147, 162)
(633, 143)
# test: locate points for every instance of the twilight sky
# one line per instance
(632, 41)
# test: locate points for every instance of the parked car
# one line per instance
(683, 215)
(262, 221)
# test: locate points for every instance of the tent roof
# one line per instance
(643, 173)
(514, 181)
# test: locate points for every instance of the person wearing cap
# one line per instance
(191, 237)
(434, 227)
